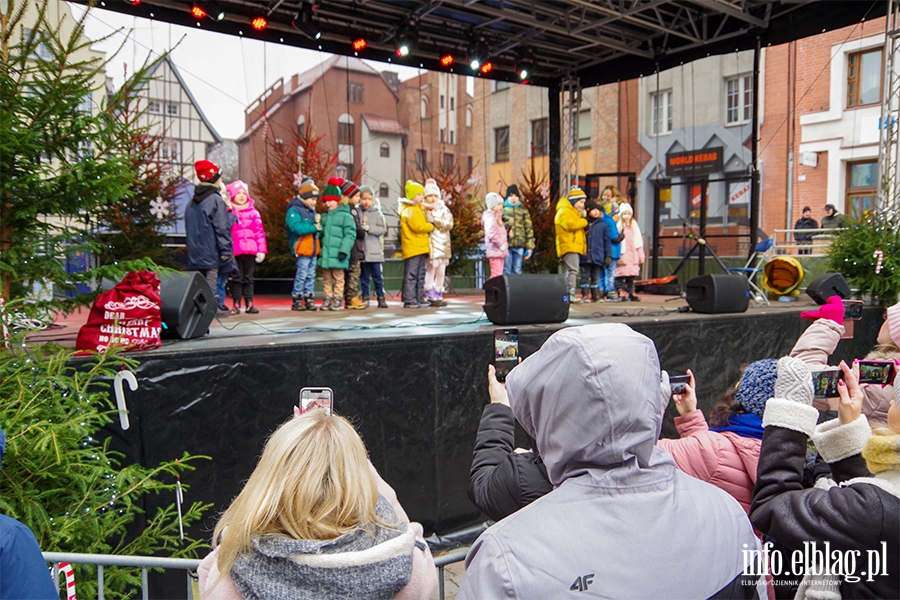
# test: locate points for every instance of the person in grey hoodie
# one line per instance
(622, 521)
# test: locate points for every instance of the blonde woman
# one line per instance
(316, 521)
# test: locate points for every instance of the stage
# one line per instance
(412, 380)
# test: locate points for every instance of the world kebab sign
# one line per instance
(694, 163)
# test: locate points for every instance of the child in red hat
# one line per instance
(207, 224)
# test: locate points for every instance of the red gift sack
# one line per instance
(128, 315)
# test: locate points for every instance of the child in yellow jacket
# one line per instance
(570, 235)
(414, 230)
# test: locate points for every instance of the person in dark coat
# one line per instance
(857, 515)
(503, 478)
(207, 225)
(805, 222)
(599, 253)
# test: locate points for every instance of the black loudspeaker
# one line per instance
(718, 294)
(524, 299)
(827, 285)
(188, 305)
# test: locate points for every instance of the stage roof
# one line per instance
(600, 41)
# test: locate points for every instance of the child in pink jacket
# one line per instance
(249, 240)
(495, 237)
(725, 454)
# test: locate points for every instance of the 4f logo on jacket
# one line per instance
(581, 583)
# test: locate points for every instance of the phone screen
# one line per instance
(506, 351)
(876, 371)
(825, 383)
(312, 398)
(853, 309)
(676, 382)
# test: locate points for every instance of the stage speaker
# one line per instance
(718, 293)
(188, 305)
(827, 285)
(525, 299)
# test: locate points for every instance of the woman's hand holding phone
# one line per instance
(496, 389)
(850, 393)
(686, 402)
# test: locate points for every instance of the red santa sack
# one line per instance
(128, 316)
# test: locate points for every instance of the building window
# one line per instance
(584, 129)
(499, 86)
(155, 108)
(452, 103)
(355, 93)
(345, 130)
(385, 150)
(423, 108)
(862, 188)
(442, 101)
(864, 78)
(301, 126)
(42, 50)
(540, 137)
(452, 137)
(383, 190)
(739, 100)
(501, 144)
(172, 110)
(420, 159)
(468, 116)
(441, 135)
(448, 162)
(86, 105)
(169, 150)
(661, 113)
(469, 163)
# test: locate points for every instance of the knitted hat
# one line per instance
(590, 205)
(237, 186)
(576, 194)
(493, 199)
(308, 189)
(757, 385)
(331, 193)
(512, 189)
(367, 189)
(626, 208)
(413, 189)
(207, 171)
(431, 188)
(893, 321)
(348, 188)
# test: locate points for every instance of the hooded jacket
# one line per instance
(598, 240)
(207, 228)
(495, 242)
(301, 229)
(414, 229)
(621, 519)
(374, 242)
(338, 236)
(439, 239)
(518, 222)
(247, 234)
(570, 226)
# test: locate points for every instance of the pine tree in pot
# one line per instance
(867, 254)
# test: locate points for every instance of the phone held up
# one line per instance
(676, 382)
(825, 383)
(853, 310)
(876, 371)
(506, 351)
(316, 397)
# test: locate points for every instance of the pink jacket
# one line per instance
(495, 239)
(818, 343)
(421, 583)
(629, 264)
(247, 233)
(724, 459)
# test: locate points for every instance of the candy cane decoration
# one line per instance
(179, 499)
(69, 572)
(879, 256)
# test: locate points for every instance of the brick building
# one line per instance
(819, 133)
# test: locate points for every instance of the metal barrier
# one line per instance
(189, 565)
(816, 247)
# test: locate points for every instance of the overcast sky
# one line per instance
(225, 73)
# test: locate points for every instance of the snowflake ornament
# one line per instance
(159, 208)
(545, 191)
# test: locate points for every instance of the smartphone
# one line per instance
(506, 351)
(825, 383)
(312, 398)
(853, 309)
(677, 383)
(876, 371)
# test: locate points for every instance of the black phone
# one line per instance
(312, 398)
(876, 371)
(853, 309)
(506, 351)
(825, 383)
(676, 382)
